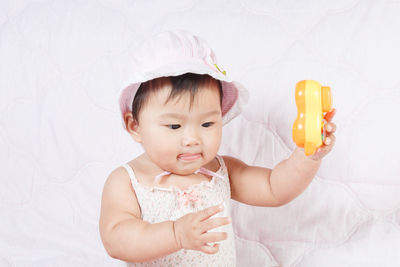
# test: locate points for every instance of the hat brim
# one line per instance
(234, 94)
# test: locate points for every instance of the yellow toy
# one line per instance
(312, 101)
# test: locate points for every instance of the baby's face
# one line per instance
(178, 137)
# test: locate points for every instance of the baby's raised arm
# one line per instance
(265, 187)
(127, 237)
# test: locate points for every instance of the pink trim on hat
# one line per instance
(230, 96)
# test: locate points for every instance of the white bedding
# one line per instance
(62, 64)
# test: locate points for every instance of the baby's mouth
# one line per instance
(189, 156)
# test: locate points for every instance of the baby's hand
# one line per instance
(329, 140)
(191, 230)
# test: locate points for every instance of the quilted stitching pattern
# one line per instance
(61, 68)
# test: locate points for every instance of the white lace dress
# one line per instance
(159, 204)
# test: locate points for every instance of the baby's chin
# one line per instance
(185, 171)
(185, 167)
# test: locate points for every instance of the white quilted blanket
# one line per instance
(62, 64)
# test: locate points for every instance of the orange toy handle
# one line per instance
(312, 101)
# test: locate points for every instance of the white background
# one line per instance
(62, 64)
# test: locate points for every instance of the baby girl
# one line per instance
(170, 205)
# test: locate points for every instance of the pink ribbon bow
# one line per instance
(185, 198)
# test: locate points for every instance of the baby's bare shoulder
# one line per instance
(119, 177)
(118, 193)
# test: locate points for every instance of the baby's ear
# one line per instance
(132, 126)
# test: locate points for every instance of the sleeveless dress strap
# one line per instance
(222, 163)
(216, 174)
(131, 173)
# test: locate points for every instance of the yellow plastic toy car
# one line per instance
(312, 101)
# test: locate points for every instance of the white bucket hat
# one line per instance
(175, 53)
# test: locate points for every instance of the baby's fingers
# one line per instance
(208, 212)
(330, 127)
(213, 237)
(214, 223)
(211, 240)
(210, 249)
(330, 140)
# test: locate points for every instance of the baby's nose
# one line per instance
(190, 139)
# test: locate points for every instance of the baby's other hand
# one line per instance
(191, 230)
(329, 138)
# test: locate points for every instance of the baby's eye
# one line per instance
(174, 126)
(207, 124)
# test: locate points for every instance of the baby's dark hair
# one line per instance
(188, 82)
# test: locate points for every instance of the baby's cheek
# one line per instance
(167, 151)
(213, 145)
(161, 152)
